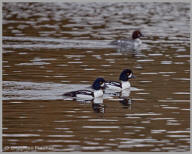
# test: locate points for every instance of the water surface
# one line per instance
(51, 48)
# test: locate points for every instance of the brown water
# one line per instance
(51, 48)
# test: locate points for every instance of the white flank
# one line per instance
(83, 96)
(125, 93)
(98, 93)
(125, 84)
(137, 43)
(113, 87)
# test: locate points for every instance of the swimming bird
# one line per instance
(124, 83)
(97, 86)
(130, 44)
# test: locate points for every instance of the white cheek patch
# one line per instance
(102, 85)
(98, 93)
(130, 75)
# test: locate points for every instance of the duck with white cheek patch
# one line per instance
(124, 81)
(97, 86)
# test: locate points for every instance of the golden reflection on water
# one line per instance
(51, 48)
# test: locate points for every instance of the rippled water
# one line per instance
(51, 48)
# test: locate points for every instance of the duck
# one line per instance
(97, 91)
(124, 83)
(132, 44)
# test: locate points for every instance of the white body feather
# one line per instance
(84, 96)
(98, 93)
(125, 93)
(124, 85)
(137, 43)
(113, 87)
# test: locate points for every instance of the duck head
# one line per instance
(126, 75)
(98, 84)
(136, 34)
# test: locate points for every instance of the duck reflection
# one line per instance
(124, 50)
(97, 105)
(125, 100)
(132, 54)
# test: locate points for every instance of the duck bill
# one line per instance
(132, 77)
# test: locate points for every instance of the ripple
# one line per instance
(75, 62)
(60, 76)
(145, 81)
(101, 127)
(84, 117)
(62, 128)
(16, 102)
(104, 131)
(145, 60)
(162, 119)
(143, 93)
(55, 43)
(178, 131)
(109, 120)
(105, 65)
(166, 62)
(21, 135)
(94, 147)
(89, 69)
(167, 72)
(176, 101)
(143, 114)
(168, 107)
(133, 117)
(155, 54)
(182, 56)
(137, 145)
(61, 135)
(91, 143)
(74, 56)
(37, 91)
(31, 64)
(63, 141)
(63, 121)
(158, 131)
(178, 136)
(134, 127)
(128, 143)
(183, 79)
(149, 73)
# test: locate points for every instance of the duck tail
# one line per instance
(115, 42)
(69, 94)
